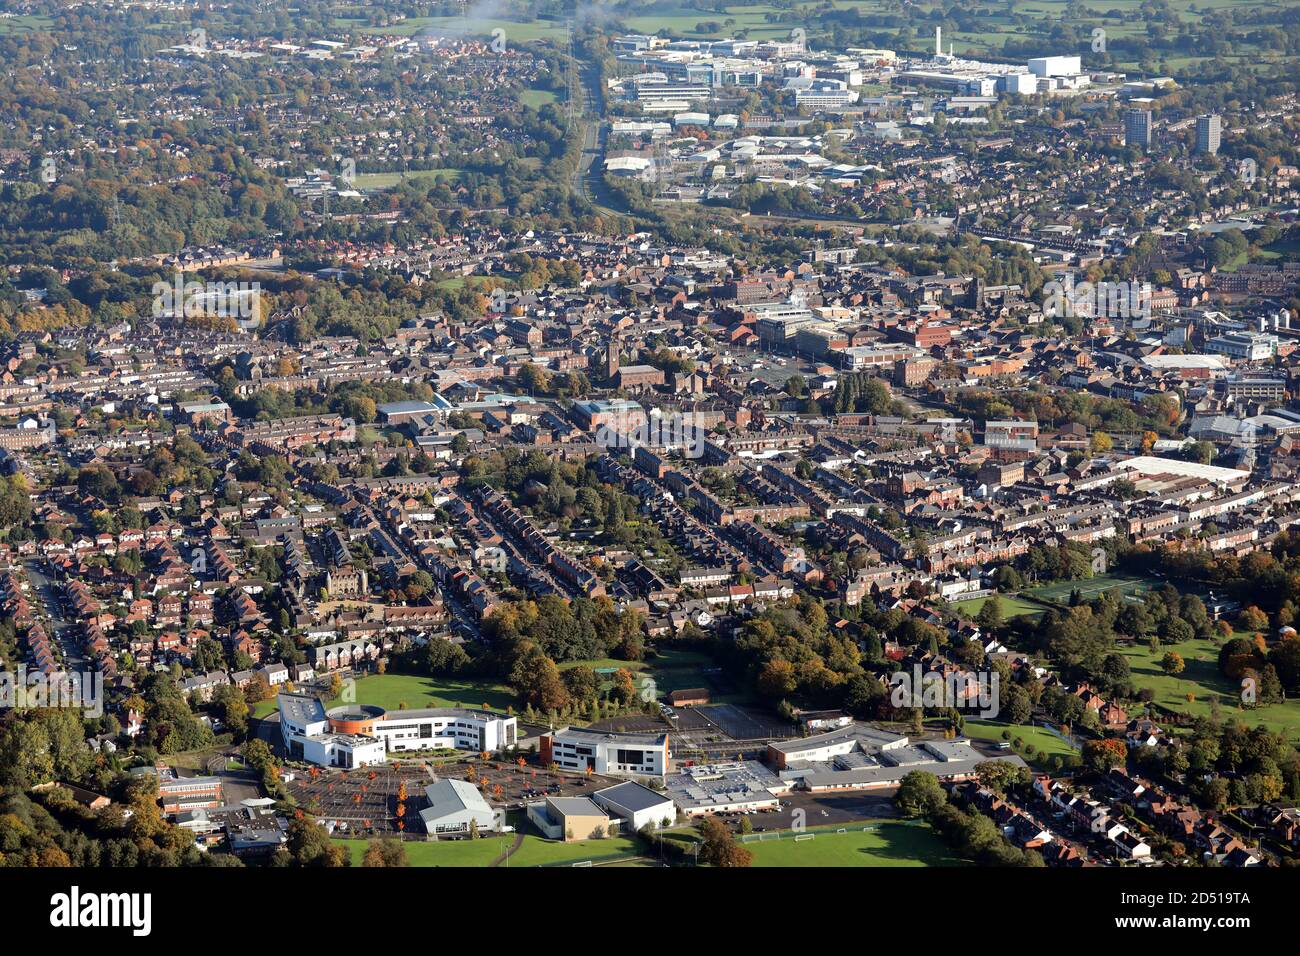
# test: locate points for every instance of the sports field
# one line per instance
(537, 98)
(388, 180)
(442, 853)
(391, 691)
(534, 851)
(1059, 592)
(888, 843)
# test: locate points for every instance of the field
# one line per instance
(1089, 588)
(443, 852)
(388, 180)
(888, 843)
(538, 852)
(1201, 677)
(513, 30)
(670, 669)
(537, 98)
(1024, 22)
(533, 852)
(1041, 739)
(1012, 606)
(24, 23)
(391, 690)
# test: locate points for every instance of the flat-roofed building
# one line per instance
(732, 787)
(625, 755)
(636, 805)
(358, 735)
(569, 818)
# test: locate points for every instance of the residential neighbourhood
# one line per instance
(653, 436)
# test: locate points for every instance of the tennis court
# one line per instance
(1090, 588)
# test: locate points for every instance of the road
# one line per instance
(63, 630)
(588, 178)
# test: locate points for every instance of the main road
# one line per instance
(588, 178)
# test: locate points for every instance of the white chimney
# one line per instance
(938, 41)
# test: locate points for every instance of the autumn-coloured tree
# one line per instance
(1173, 664)
(1106, 754)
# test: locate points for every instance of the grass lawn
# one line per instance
(442, 853)
(539, 852)
(888, 843)
(1012, 606)
(537, 98)
(604, 663)
(24, 23)
(513, 30)
(535, 851)
(388, 180)
(1201, 677)
(390, 690)
(1042, 740)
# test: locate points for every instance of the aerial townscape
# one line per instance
(668, 434)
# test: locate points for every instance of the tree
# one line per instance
(309, 844)
(1252, 619)
(1018, 705)
(1001, 775)
(385, 853)
(990, 616)
(718, 847)
(1172, 664)
(1104, 755)
(919, 794)
(537, 681)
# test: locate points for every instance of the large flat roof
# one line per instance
(632, 796)
(869, 738)
(729, 784)
(301, 708)
(1153, 465)
(609, 737)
